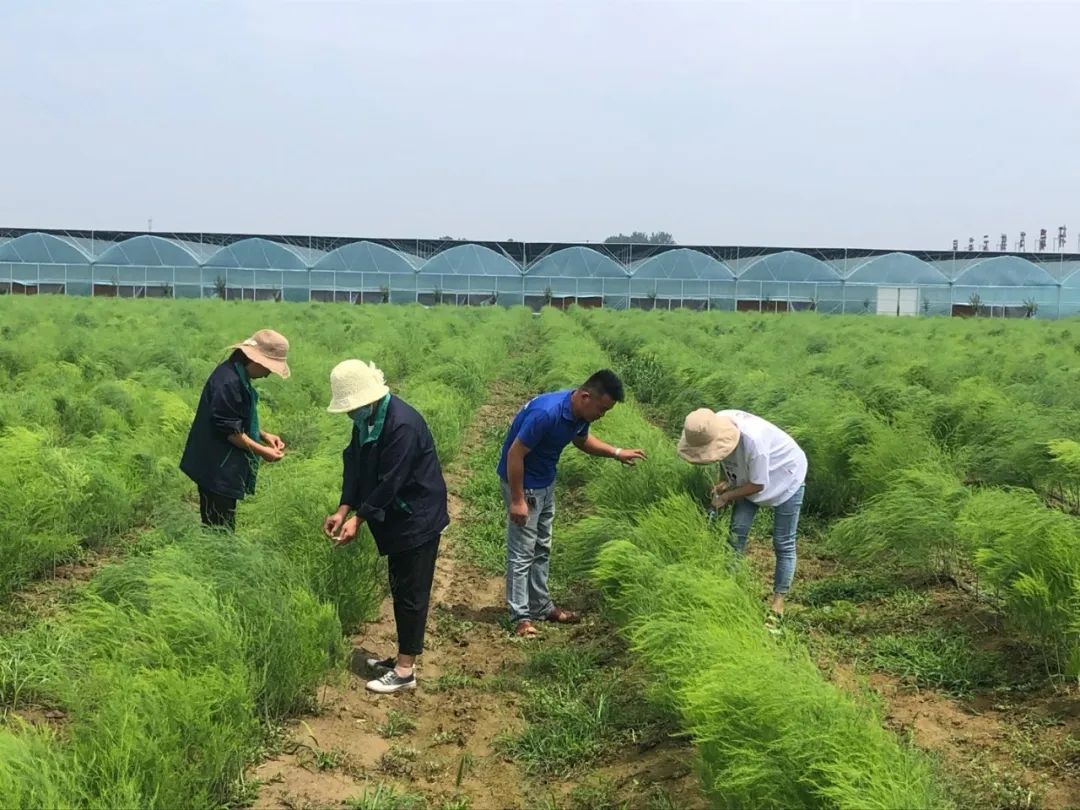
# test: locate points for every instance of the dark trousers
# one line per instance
(411, 575)
(217, 511)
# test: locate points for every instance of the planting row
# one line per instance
(770, 732)
(944, 447)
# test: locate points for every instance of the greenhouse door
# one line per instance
(898, 301)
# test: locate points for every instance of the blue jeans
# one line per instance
(785, 527)
(528, 554)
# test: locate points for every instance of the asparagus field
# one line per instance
(929, 656)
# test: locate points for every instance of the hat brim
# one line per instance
(714, 451)
(358, 400)
(279, 367)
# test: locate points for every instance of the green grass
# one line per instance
(979, 781)
(452, 680)
(882, 610)
(329, 760)
(580, 703)
(396, 724)
(939, 659)
(400, 760)
(485, 514)
(466, 765)
(451, 628)
(386, 797)
(455, 737)
(847, 588)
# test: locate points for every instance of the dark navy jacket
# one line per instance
(395, 483)
(209, 459)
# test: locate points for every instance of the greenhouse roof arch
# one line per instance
(42, 248)
(684, 264)
(896, 268)
(790, 266)
(1072, 281)
(1005, 271)
(148, 251)
(256, 253)
(470, 260)
(577, 262)
(367, 256)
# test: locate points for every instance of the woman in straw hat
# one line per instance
(392, 481)
(225, 442)
(763, 466)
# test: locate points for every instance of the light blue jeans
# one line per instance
(785, 527)
(528, 554)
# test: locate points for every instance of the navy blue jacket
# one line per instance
(395, 483)
(209, 459)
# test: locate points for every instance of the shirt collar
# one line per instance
(379, 419)
(566, 410)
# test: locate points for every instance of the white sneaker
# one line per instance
(391, 682)
(381, 663)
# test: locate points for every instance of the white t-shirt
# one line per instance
(765, 455)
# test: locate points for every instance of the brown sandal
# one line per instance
(562, 616)
(525, 629)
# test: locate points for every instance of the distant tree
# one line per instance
(641, 238)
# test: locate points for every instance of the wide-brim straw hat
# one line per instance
(707, 437)
(353, 384)
(269, 349)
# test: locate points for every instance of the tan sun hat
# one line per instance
(353, 384)
(707, 437)
(269, 349)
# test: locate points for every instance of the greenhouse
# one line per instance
(685, 276)
(896, 284)
(789, 280)
(1004, 285)
(534, 274)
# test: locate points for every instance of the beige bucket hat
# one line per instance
(269, 349)
(353, 384)
(707, 437)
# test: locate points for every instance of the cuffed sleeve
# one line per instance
(227, 409)
(350, 475)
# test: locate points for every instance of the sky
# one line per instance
(901, 125)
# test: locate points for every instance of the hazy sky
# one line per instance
(862, 124)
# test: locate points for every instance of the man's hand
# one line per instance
(270, 454)
(630, 457)
(519, 512)
(348, 531)
(332, 525)
(273, 441)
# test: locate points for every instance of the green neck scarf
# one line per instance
(253, 422)
(368, 433)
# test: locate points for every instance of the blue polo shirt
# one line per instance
(545, 425)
